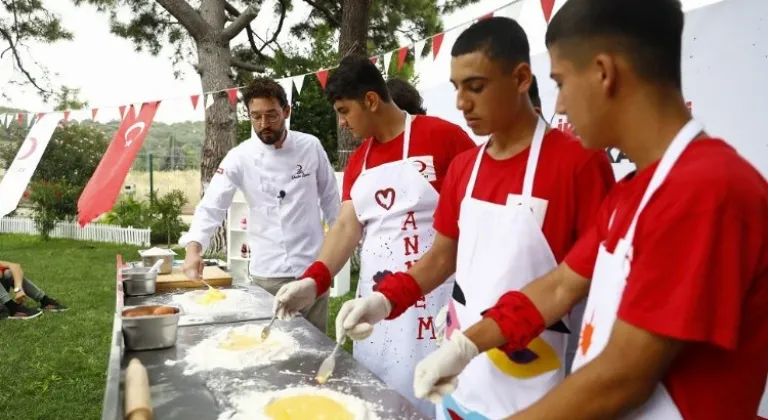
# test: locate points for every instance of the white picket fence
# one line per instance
(91, 232)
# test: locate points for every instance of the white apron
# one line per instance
(395, 204)
(502, 248)
(610, 277)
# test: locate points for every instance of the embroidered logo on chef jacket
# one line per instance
(299, 173)
(425, 165)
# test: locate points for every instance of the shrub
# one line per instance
(53, 202)
(163, 216)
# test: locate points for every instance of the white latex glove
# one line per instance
(440, 321)
(357, 316)
(435, 376)
(293, 297)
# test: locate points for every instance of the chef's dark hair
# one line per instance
(355, 77)
(405, 96)
(264, 87)
(533, 93)
(501, 39)
(648, 33)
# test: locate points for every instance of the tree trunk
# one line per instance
(220, 118)
(352, 40)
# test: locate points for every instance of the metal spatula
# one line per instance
(326, 368)
(265, 331)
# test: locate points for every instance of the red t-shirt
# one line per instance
(699, 274)
(572, 179)
(434, 144)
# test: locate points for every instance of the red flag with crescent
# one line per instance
(102, 190)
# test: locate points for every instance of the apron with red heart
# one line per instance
(395, 204)
(610, 277)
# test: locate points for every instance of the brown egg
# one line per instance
(164, 310)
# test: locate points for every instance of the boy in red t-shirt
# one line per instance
(676, 264)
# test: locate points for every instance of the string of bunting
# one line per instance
(297, 80)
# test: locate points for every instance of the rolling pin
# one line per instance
(138, 405)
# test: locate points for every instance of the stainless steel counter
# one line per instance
(208, 394)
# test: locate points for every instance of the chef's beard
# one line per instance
(272, 137)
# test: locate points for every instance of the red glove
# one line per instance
(320, 273)
(401, 290)
(519, 320)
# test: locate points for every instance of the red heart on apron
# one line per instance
(385, 198)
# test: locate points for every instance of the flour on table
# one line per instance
(238, 348)
(194, 302)
(256, 405)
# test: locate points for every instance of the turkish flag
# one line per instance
(104, 186)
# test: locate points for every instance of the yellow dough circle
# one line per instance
(211, 296)
(307, 407)
(239, 342)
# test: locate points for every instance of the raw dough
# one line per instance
(211, 296)
(238, 342)
(307, 407)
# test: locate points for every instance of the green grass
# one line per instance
(54, 366)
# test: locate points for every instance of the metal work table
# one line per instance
(206, 395)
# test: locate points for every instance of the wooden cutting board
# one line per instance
(215, 276)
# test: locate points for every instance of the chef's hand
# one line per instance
(293, 297)
(193, 262)
(435, 376)
(357, 316)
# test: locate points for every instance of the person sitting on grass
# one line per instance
(12, 278)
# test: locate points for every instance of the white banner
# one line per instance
(20, 172)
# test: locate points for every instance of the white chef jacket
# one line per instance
(285, 189)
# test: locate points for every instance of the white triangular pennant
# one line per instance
(209, 101)
(298, 81)
(387, 61)
(417, 53)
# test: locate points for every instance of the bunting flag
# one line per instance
(322, 77)
(418, 50)
(374, 59)
(485, 16)
(437, 41)
(298, 81)
(24, 164)
(66, 116)
(20, 118)
(94, 111)
(208, 101)
(402, 53)
(102, 189)
(387, 62)
(547, 6)
(122, 111)
(195, 99)
(232, 94)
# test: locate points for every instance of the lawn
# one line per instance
(54, 366)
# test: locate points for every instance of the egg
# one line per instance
(164, 310)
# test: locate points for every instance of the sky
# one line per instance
(116, 74)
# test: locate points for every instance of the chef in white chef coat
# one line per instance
(287, 180)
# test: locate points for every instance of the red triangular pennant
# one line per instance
(485, 16)
(373, 59)
(322, 77)
(232, 93)
(66, 116)
(437, 41)
(547, 6)
(401, 54)
(93, 113)
(122, 111)
(40, 115)
(20, 118)
(195, 99)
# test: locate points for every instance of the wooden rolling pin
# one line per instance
(138, 405)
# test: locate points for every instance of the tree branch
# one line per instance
(324, 10)
(187, 17)
(235, 62)
(283, 11)
(17, 58)
(246, 17)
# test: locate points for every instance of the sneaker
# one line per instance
(22, 312)
(51, 305)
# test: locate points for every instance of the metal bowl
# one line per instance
(165, 268)
(149, 332)
(139, 281)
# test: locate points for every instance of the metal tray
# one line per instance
(150, 332)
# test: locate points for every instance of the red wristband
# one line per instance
(401, 290)
(320, 273)
(519, 320)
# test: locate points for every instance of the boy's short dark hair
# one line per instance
(406, 97)
(264, 87)
(501, 39)
(355, 77)
(647, 32)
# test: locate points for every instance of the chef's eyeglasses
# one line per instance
(260, 119)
